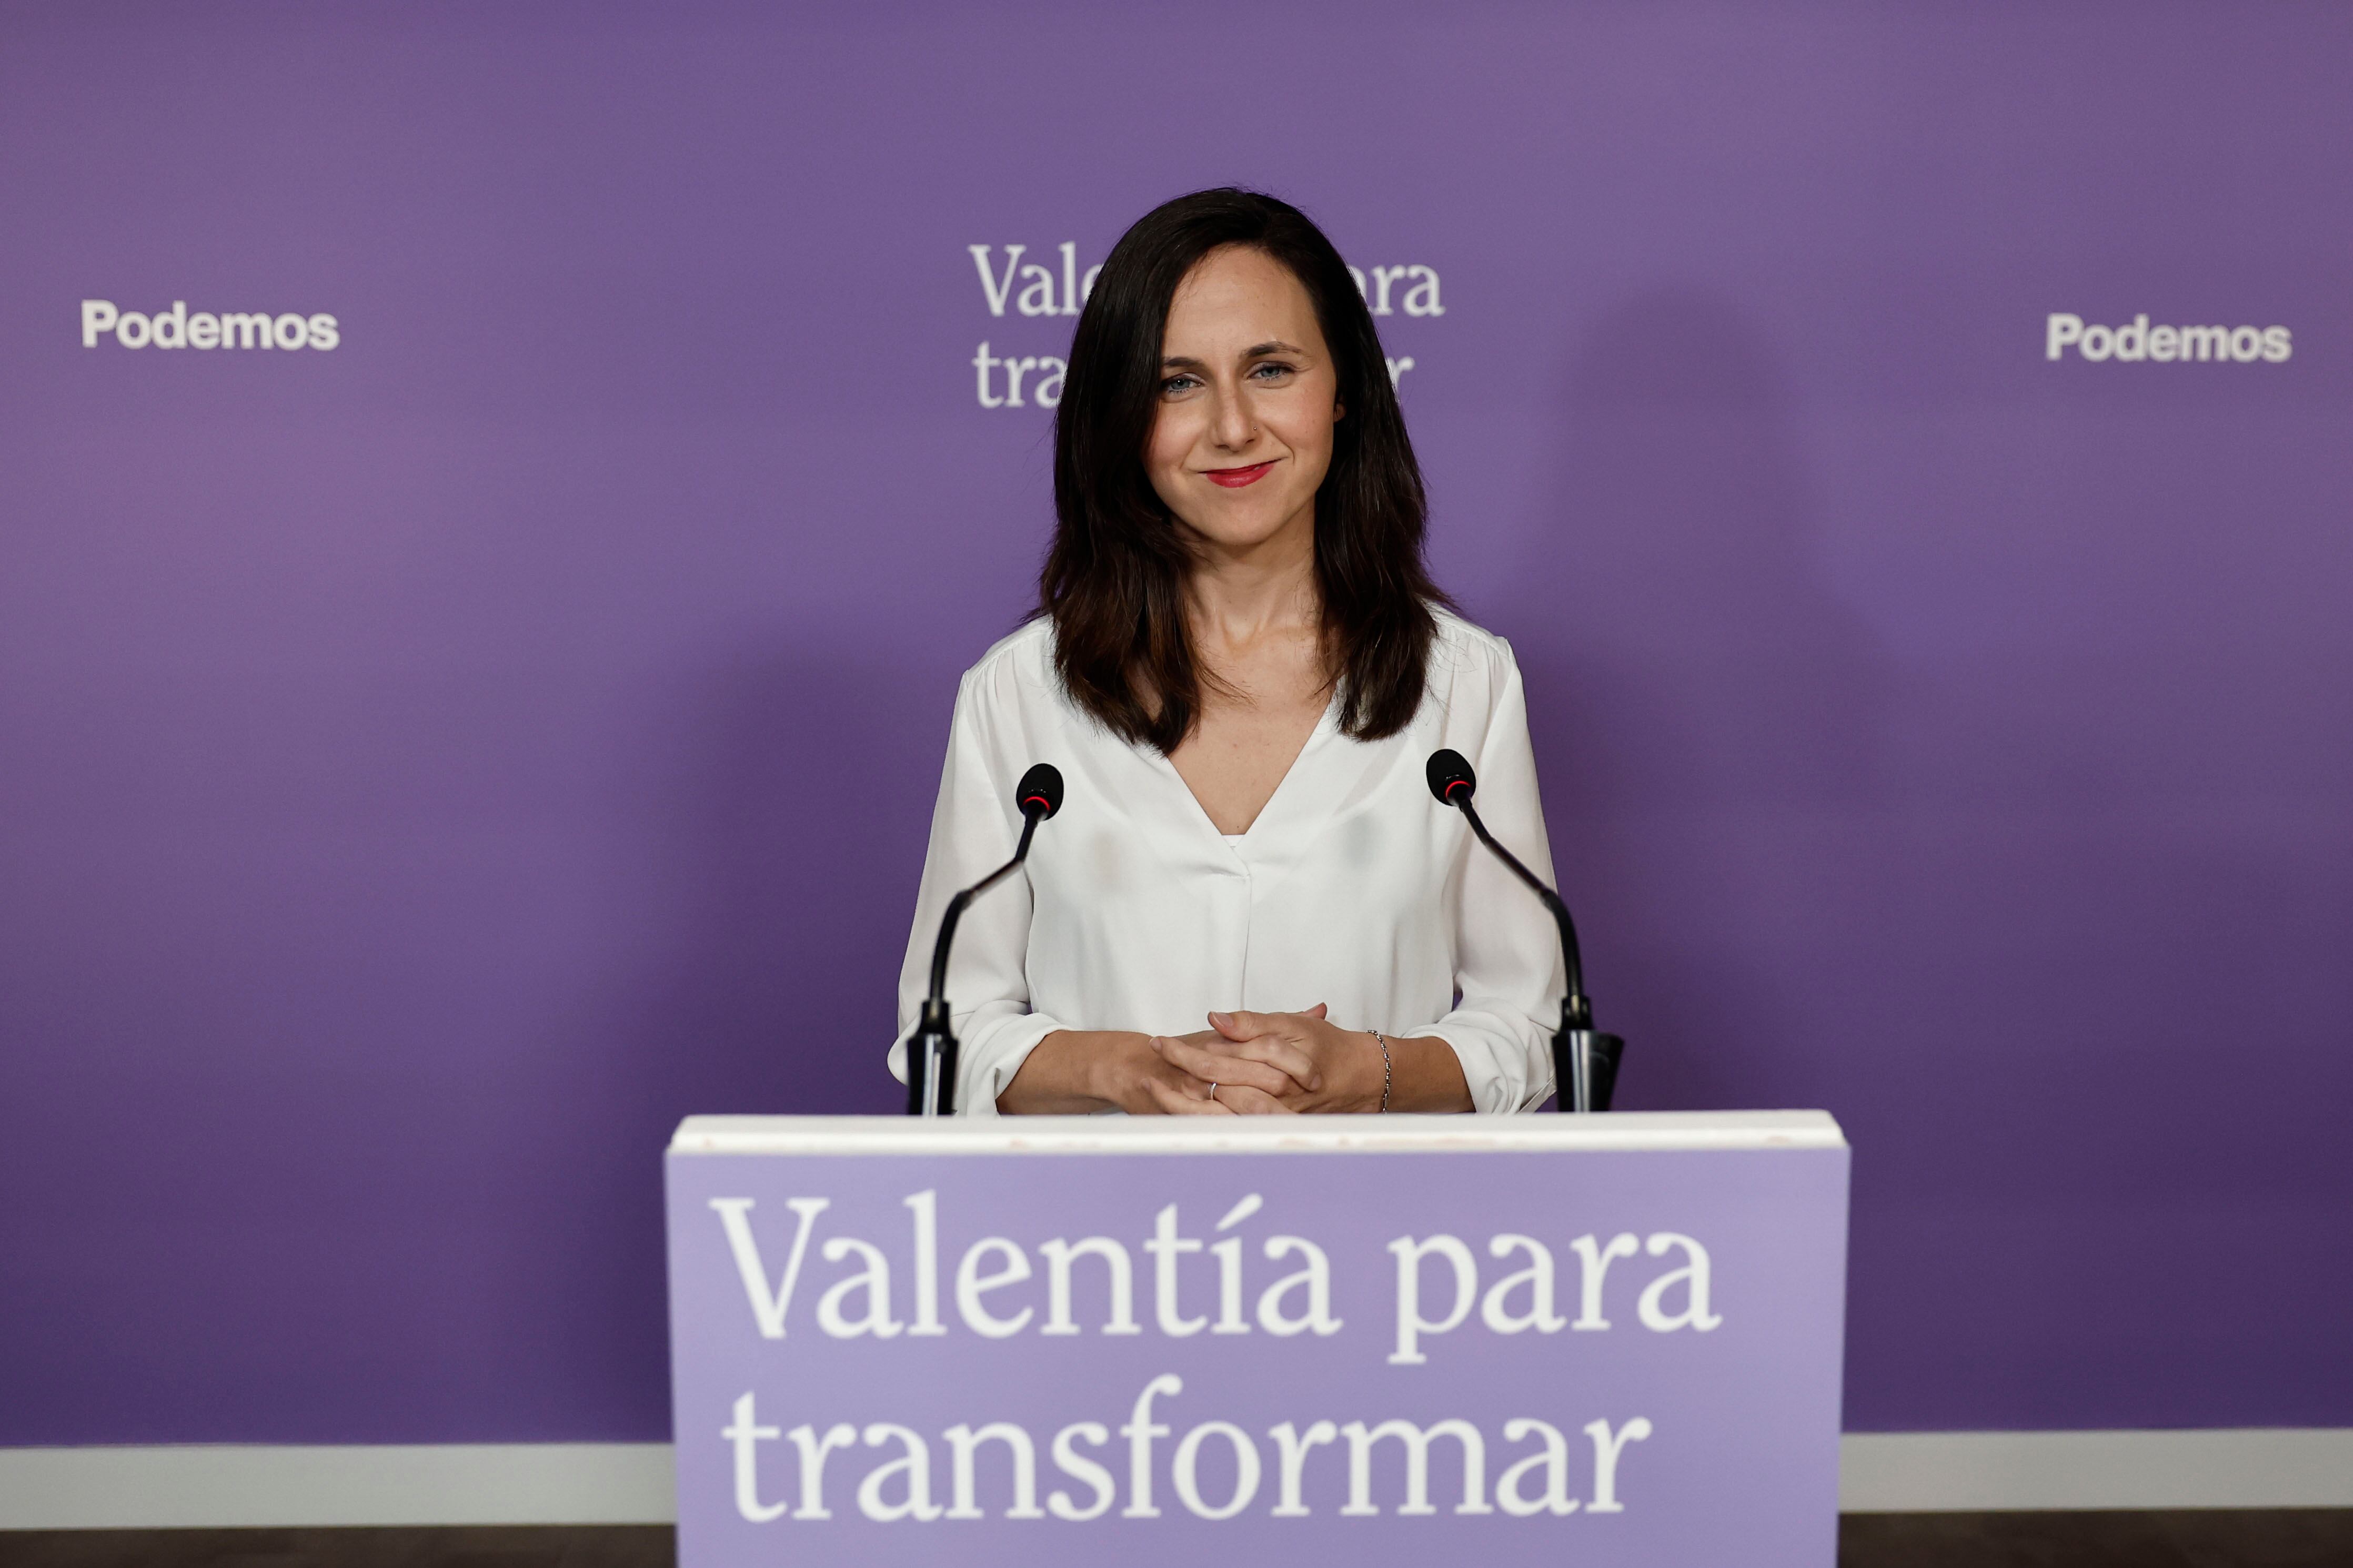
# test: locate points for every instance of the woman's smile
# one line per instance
(1235, 479)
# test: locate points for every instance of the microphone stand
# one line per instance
(1577, 1048)
(932, 1049)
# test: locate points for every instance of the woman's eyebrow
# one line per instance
(1257, 350)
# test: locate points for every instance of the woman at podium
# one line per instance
(1249, 902)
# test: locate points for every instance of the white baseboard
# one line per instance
(1965, 1472)
(227, 1486)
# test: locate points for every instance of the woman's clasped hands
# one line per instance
(1278, 1063)
(1244, 1064)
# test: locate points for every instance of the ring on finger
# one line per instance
(1213, 1090)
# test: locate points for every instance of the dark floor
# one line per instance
(503, 1546)
(2203, 1538)
(2186, 1537)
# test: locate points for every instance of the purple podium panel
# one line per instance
(1402, 1340)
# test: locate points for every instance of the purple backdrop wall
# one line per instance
(417, 756)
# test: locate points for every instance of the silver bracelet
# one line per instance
(1382, 1041)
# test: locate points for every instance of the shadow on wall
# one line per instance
(777, 885)
(805, 785)
(1702, 706)
(774, 870)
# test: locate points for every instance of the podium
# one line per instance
(1258, 1340)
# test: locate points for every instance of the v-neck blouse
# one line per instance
(1352, 888)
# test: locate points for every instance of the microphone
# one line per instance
(1583, 1061)
(932, 1049)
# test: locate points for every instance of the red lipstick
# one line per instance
(1235, 479)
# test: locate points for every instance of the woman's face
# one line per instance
(1248, 399)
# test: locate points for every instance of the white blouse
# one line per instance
(1353, 887)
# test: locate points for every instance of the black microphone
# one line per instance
(932, 1049)
(1583, 1061)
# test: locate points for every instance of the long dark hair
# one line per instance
(1113, 579)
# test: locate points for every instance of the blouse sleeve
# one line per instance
(974, 831)
(1508, 968)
